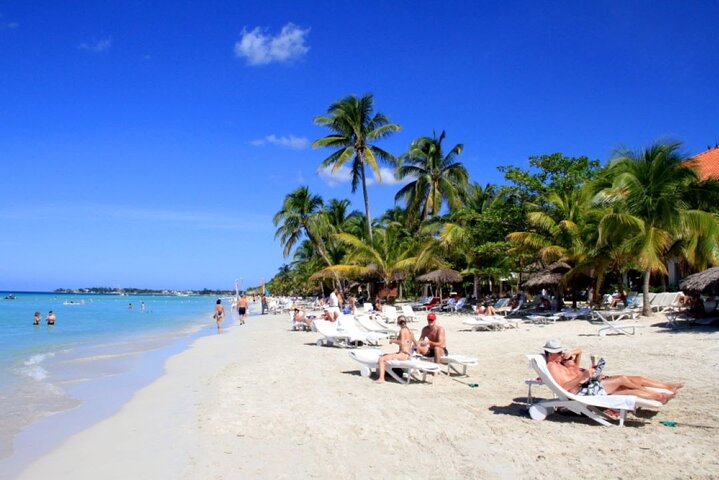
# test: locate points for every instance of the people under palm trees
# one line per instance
(650, 211)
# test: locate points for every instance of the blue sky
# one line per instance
(149, 144)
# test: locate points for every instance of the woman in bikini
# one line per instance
(406, 342)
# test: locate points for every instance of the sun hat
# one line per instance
(431, 316)
(553, 346)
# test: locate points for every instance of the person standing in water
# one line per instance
(219, 313)
(50, 318)
(36, 319)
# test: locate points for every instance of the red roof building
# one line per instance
(706, 164)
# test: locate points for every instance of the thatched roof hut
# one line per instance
(442, 275)
(701, 282)
(549, 277)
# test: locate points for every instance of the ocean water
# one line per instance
(98, 352)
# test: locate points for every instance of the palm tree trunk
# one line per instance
(366, 204)
(476, 286)
(647, 307)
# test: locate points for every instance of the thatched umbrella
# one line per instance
(440, 276)
(550, 277)
(701, 282)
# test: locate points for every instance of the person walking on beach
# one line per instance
(36, 319)
(432, 341)
(50, 319)
(242, 308)
(219, 313)
(265, 307)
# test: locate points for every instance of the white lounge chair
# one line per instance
(369, 323)
(389, 312)
(491, 322)
(574, 313)
(412, 368)
(591, 406)
(348, 324)
(367, 307)
(615, 323)
(332, 336)
(455, 362)
(542, 319)
(408, 313)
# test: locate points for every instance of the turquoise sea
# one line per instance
(56, 380)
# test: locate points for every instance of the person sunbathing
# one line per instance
(406, 341)
(300, 317)
(564, 367)
(486, 309)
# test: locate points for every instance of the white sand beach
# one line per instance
(260, 401)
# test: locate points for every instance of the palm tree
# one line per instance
(301, 216)
(438, 178)
(353, 127)
(649, 193)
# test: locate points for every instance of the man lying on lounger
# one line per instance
(405, 340)
(564, 367)
(432, 342)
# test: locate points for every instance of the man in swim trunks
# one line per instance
(406, 342)
(432, 342)
(50, 318)
(219, 313)
(564, 367)
(242, 308)
(36, 319)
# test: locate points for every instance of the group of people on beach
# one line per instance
(50, 319)
(432, 344)
(241, 304)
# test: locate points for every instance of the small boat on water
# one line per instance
(10, 297)
(74, 302)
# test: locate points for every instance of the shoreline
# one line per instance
(93, 404)
(261, 401)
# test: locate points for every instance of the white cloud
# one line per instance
(295, 143)
(341, 175)
(260, 48)
(97, 46)
(344, 175)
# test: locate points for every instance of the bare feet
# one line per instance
(665, 397)
(674, 387)
(379, 380)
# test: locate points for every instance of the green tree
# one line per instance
(549, 173)
(438, 177)
(301, 215)
(354, 127)
(650, 213)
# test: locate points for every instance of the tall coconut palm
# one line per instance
(354, 126)
(438, 178)
(301, 216)
(649, 193)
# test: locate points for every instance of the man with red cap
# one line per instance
(432, 341)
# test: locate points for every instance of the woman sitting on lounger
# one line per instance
(406, 342)
(564, 367)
